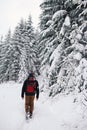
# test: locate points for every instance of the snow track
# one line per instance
(58, 114)
(12, 115)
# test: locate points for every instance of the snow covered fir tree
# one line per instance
(63, 40)
(18, 52)
(58, 51)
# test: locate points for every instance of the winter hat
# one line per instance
(31, 75)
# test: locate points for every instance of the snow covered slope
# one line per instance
(60, 113)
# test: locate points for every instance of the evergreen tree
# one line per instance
(31, 49)
(29, 57)
(5, 57)
(68, 30)
(18, 45)
(49, 7)
(72, 53)
(49, 36)
(1, 39)
(3, 62)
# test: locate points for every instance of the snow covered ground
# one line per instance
(60, 113)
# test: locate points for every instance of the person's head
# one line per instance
(31, 75)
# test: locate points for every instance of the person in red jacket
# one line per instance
(29, 90)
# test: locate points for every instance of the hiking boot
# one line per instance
(27, 115)
(30, 115)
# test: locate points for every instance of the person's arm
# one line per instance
(37, 89)
(23, 89)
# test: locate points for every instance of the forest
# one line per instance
(56, 50)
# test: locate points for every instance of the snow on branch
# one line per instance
(59, 14)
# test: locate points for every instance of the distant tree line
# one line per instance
(18, 52)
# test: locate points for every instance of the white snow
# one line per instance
(67, 21)
(59, 14)
(76, 1)
(78, 56)
(65, 24)
(59, 113)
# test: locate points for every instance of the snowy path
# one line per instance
(48, 115)
(12, 116)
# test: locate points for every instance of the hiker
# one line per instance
(29, 90)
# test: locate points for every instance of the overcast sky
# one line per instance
(11, 11)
